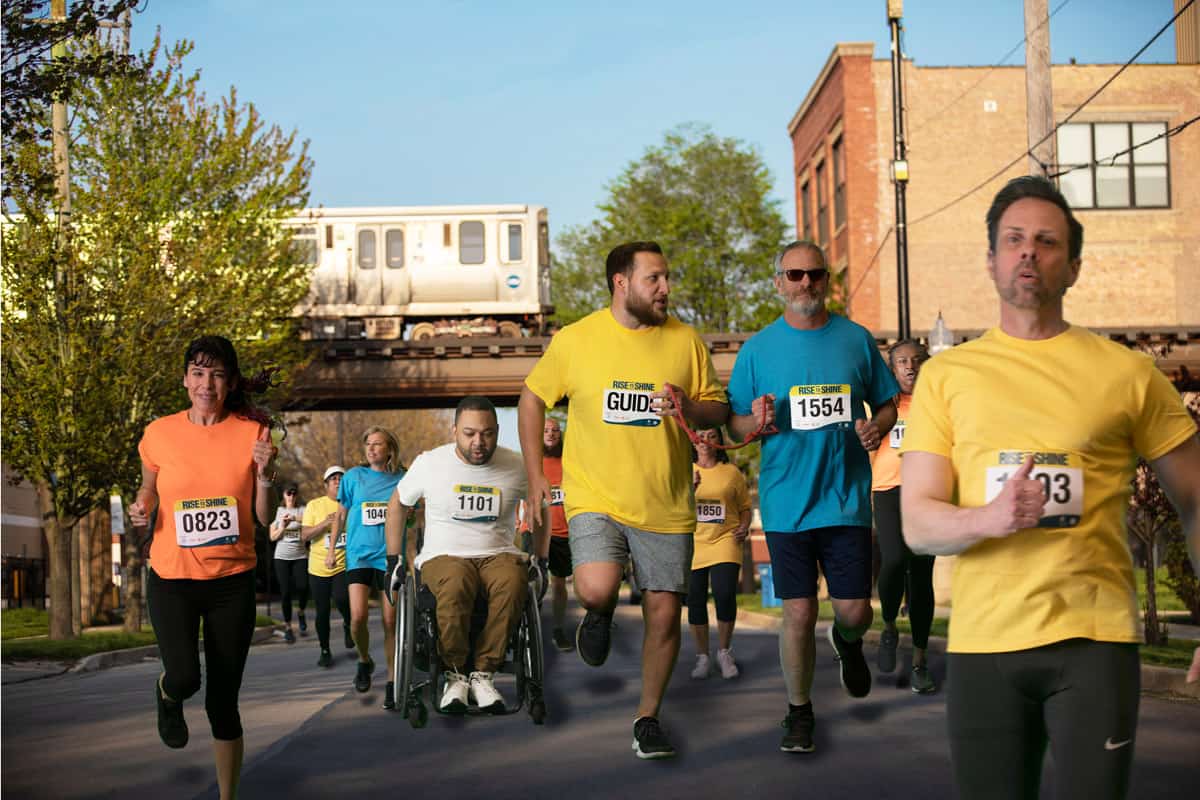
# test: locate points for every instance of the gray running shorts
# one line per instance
(662, 562)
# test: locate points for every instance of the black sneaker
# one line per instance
(854, 672)
(303, 625)
(885, 659)
(649, 739)
(593, 638)
(172, 727)
(289, 637)
(362, 679)
(348, 638)
(561, 641)
(326, 659)
(799, 724)
(389, 700)
(921, 681)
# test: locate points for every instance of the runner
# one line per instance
(472, 490)
(815, 483)
(626, 471)
(899, 569)
(328, 584)
(290, 555)
(560, 544)
(362, 510)
(203, 470)
(1017, 457)
(722, 525)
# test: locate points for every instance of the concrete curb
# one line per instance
(134, 655)
(1154, 679)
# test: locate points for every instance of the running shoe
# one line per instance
(303, 625)
(729, 667)
(289, 637)
(454, 696)
(326, 659)
(702, 668)
(650, 740)
(483, 692)
(172, 727)
(885, 659)
(389, 699)
(854, 672)
(921, 681)
(362, 679)
(593, 638)
(348, 638)
(799, 724)
(562, 642)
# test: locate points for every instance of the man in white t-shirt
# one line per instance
(471, 491)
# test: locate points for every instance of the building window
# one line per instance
(393, 247)
(839, 184)
(822, 207)
(1103, 179)
(366, 249)
(806, 212)
(470, 242)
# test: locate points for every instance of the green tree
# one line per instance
(175, 232)
(706, 200)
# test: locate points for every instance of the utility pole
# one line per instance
(1039, 105)
(895, 10)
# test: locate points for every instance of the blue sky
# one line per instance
(409, 103)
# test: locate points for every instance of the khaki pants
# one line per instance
(503, 580)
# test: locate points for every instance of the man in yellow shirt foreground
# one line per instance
(1018, 456)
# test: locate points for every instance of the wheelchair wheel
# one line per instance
(416, 713)
(402, 678)
(529, 662)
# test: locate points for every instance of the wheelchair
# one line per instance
(418, 667)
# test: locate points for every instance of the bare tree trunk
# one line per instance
(100, 566)
(58, 542)
(1153, 632)
(131, 547)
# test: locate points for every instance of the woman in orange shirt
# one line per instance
(202, 470)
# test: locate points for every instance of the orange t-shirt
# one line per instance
(885, 461)
(558, 512)
(204, 528)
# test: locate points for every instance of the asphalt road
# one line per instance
(310, 735)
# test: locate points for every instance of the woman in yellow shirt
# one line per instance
(722, 524)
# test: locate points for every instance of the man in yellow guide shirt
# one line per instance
(1017, 457)
(627, 477)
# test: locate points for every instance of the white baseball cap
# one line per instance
(334, 470)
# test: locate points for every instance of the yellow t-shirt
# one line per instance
(314, 514)
(622, 459)
(1083, 405)
(721, 498)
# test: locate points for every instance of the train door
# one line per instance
(395, 269)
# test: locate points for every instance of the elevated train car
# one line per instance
(474, 270)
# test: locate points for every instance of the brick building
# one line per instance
(1140, 265)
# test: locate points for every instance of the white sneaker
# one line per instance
(454, 697)
(729, 668)
(701, 670)
(484, 693)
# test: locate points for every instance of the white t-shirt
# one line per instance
(289, 547)
(470, 511)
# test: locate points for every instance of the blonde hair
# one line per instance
(393, 462)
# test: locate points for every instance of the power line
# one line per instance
(870, 264)
(1112, 160)
(1068, 118)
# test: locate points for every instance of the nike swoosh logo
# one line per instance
(1109, 744)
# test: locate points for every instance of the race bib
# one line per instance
(711, 511)
(374, 513)
(341, 541)
(896, 437)
(556, 496)
(820, 406)
(630, 403)
(476, 503)
(1061, 479)
(206, 521)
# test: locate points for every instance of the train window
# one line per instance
(304, 239)
(328, 237)
(393, 245)
(514, 241)
(366, 249)
(445, 234)
(543, 244)
(470, 242)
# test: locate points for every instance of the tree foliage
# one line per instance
(706, 200)
(175, 233)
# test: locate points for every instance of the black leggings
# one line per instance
(325, 590)
(226, 607)
(724, 578)
(897, 563)
(1079, 695)
(291, 576)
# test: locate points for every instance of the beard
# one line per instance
(643, 310)
(806, 305)
(1030, 297)
(474, 458)
(553, 452)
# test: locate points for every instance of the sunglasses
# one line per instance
(290, 491)
(797, 275)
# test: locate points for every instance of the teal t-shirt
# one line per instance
(815, 473)
(365, 493)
